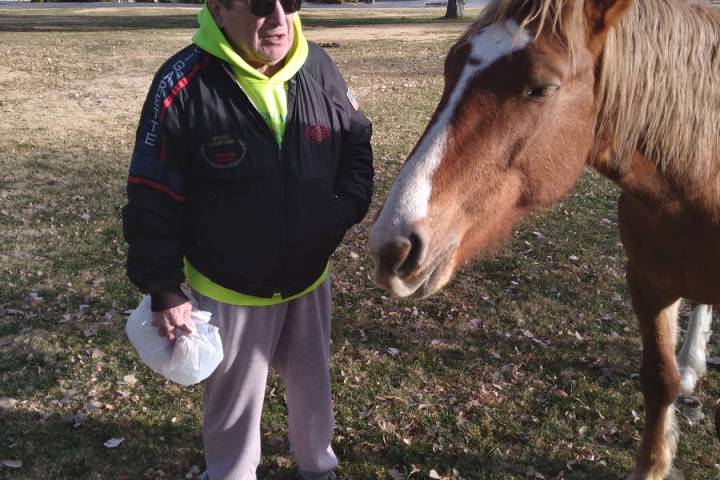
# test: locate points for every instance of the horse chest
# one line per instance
(678, 252)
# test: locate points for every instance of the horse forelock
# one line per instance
(561, 17)
(658, 92)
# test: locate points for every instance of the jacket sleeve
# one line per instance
(354, 180)
(156, 192)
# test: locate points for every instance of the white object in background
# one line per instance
(187, 361)
(692, 357)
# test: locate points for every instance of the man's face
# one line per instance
(261, 42)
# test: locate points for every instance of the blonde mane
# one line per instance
(659, 85)
(659, 91)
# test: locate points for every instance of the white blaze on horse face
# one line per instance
(409, 197)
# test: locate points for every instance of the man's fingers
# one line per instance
(169, 320)
(169, 329)
(185, 328)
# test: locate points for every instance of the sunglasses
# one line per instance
(265, 8)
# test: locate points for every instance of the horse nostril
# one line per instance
(401, 256)
(412, 259)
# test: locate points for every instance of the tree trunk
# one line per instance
(455, 9)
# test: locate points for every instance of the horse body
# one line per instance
(535, 91)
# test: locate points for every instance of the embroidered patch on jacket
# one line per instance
(353, 100)
(223, 151)
(317, 133)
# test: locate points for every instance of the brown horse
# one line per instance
(536, 90)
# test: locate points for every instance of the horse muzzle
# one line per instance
(406, 266)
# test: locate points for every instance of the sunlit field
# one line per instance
(525, 367)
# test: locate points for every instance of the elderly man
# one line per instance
(251, 161)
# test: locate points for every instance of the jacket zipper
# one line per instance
(283, 214)
(283, 172)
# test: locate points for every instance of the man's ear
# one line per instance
(601, 16)
(216, 9)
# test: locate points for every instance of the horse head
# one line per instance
(512, 133)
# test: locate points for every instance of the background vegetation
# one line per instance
(525, 367)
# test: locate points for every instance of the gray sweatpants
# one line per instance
(293, 338)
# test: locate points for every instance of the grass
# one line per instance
(525, 367)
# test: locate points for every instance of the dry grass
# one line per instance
(523, 368)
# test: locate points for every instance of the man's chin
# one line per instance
(274, 53)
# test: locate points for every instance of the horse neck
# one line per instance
(669, 195)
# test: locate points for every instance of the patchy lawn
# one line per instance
(525, 367)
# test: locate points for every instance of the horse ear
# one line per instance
(602, 15)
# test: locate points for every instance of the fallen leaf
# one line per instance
(694, 415)
(395, 475)
(79, 418)
(130, 380)
(114, 442)
(713, 360)
(434, 475)
(35, 297)
(194, 470)
(12, 463)
(532, 473)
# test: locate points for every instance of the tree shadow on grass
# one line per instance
(55, 447)
(484, 464)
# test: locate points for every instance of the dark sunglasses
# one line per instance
(264, 8)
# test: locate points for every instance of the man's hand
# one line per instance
(167, 321)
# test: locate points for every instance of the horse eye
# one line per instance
(541, 92)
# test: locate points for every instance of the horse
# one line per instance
(535, 91)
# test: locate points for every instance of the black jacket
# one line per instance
(208, 180)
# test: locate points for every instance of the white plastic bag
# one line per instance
(187, 361)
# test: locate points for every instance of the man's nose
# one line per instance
(278, 14)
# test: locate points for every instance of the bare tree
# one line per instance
(455, 9)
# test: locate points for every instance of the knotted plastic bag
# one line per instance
(187, 361)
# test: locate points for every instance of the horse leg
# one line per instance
(691, 358)
(659, 376)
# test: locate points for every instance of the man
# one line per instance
(251, 162)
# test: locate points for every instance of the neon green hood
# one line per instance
(267, 94)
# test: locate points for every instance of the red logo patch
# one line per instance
(317, 133)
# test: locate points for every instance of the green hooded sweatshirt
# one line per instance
(267, 94)
(269, 97)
